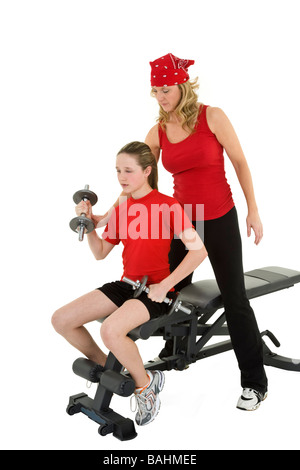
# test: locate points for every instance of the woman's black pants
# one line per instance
(223, 243)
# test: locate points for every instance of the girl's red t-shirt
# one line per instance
(146, 227)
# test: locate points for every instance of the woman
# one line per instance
(192, 137)
(131, 223)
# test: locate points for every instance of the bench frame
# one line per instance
(187, 349)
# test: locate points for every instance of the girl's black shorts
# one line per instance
(118, 292)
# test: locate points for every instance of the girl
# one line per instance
(140, 223)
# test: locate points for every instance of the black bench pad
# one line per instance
(206, 297)
(206, 294)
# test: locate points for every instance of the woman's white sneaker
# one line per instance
(250, 399)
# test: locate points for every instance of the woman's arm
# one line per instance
(194, 257)
(220, 125)
(152, 139)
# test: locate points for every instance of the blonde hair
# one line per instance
(188, 107)
(144, 158)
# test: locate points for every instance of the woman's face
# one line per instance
(131, 176)
(167, 97)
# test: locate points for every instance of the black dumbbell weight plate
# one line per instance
(77, 221)
(174, 305)
(140, 289)
(85, 194)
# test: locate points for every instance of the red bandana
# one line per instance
(169, 70)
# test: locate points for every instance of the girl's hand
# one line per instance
(157, 293)
(254, 223)
(84, 207)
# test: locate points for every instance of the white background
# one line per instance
(75, 88)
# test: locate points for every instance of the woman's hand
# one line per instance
(253, 222)
(157, 293)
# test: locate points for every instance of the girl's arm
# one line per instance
(99, 247)
(102, 220)
(220, 125)
(194, 257)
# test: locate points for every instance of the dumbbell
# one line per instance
(82, 224)
(140, 286)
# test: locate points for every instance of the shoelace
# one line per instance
(140, 402)
(247, 391)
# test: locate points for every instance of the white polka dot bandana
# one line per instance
(169, 70)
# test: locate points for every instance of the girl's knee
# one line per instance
(58, 321)
(110, 334)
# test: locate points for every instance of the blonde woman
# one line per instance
(190, 138)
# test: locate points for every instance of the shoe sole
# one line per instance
(255, 407)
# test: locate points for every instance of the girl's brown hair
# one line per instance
(144, 158)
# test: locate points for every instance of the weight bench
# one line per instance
(203, 298)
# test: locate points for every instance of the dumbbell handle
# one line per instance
(83, 214)
(146, 289)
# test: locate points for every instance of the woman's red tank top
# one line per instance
(197, 166)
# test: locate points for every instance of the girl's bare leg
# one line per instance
(69, 321)
(114, 335)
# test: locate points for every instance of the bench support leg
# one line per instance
(275, 360)
(98, 409)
